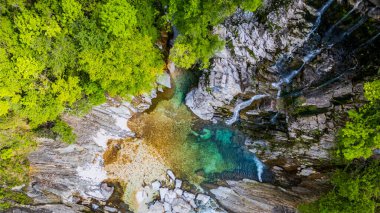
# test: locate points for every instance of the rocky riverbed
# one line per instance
(287, 77)
(267, 110)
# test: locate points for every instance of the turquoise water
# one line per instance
(220, 149)
(228, 152)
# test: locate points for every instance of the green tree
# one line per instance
(14, 149)
(65, 55)
(118, 18)
(64, 131)
(195, 20)
(356, 190)
(361, 135)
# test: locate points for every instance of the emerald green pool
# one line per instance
(197, 150)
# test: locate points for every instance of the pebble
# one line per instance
(170, 196)
(178, 192)
(94, 206)
(110, 209)
(156, 185)
(163, 192)
(157, 207)
(178, 183)
(171, 174)
(188, 196)
(181, 206)
(167, 207)
(202, 199)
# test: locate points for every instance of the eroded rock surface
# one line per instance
(75, 173)
(310, 67)
(248, 196)
(249, 42)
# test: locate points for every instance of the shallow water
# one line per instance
(195, 150)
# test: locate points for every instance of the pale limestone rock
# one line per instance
(156, 185)
(178, 183)
(202, 199)
(157, 207)
(171, 175)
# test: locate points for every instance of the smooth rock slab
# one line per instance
(164, 80)
(156, 185)
(202, 199)
(163, 192)
(181, 206)
(171, 174)
(157, 207)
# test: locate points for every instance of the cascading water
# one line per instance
(241, 106)
(260, 168)
(312, 54)
(348, 14)
(370, 41)
(288, 79)
(326, 42)
(319, 18)
(349, 31)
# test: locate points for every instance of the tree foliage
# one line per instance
(361, 135)
(55, 53)
(195, 20)
(64, 131)
(58, 55)
(356, 190)
(15, 146)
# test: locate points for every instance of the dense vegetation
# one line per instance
(361, 135)
(357, 187)
(67, 55)
(195, 20)
(356, 190)
(54, 53)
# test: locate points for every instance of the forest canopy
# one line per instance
(195, 19)
(54, 53)
(59, 56)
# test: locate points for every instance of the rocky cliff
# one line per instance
(287, 76)
(74, 174)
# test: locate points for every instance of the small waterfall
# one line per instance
(319, 17)
(367, 42)
(241, 106)
(288, 79)
(328, 33)
(273, 120)
(259, 167)
(311, 55)
(348, 32)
